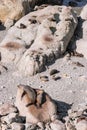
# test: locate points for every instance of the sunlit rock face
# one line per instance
(39, 38)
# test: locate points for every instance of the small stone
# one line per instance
(8, 119)
(53, 71)
(33, 21)
(74, 68)
(6, 109)
(5, 127)
(17, 126)
(75, 114)
(67, 57)
(41, 125)
(8, 23)
(81, 124)
(11, 98)
(44, 78)
(66, 76)
(30, 126)
(57, 125)
(56, 77)
(41, 86)
(22, 26)
(78, 64)
(70, 126)
(47, 126)
(78, 54)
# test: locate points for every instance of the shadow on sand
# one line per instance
(2, 27)
(62, 108)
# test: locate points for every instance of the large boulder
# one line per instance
(43, 35)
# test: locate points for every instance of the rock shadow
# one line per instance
(2, 27)
(75, 3)
(78, 34)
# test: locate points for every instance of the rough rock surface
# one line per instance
(39, 38)
(81, 43)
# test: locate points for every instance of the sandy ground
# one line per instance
(70, 90)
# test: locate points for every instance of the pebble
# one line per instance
(11, 98)
(5, 127)
(66, 76)
(78, 54)
(70, 126)
(22, 26)
(44, 78)
(56, 77)
(78, 64)
(53, 71)
(57, 125)
(17, 126)
(30, 126)
(67, 57)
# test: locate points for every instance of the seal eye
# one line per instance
(23, 95)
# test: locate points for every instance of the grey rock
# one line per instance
(6, 109)
(30, 126)
(57, 125)
(8, 119)
(39, 38)
(81, 124)
(81, 44)
(5, 127)
(17, 126)
(53, 71)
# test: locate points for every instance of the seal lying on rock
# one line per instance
(35, 104)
